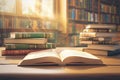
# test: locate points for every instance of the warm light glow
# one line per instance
(42, 8)
(47, 8)
(27, 5)
(8, 6)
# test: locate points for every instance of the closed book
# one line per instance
(30, 35)
(98, 34)
(30, 46)
(102, 30)
(113, 39)
(98, 42)
(101, 26)
(87, 42)
(102, 52)
(25, 41)
(17, 52)
(103, 47)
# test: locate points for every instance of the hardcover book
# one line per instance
(104, 47)
(99, 34)
(19, 35)
(101, 26)
(18, 52)
(59, 57)
(103, 52)
(29, 46)
(25, 41)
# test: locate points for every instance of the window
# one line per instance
(40, 8)
(8, 6)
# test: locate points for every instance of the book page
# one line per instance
(44, 53)
(75, 56)
(45, 57)
(68, 53)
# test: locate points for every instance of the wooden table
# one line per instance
(10, 71)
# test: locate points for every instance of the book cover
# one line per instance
(102, 30)
(25, 41)
(103, 47)
(98, 42)
(30, 46)
(59, 57)
(19, 35)
(100, 26)
(99, 34)
(18, 52)
(102, 52)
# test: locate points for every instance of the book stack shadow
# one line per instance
(22, 43)
(101, 39)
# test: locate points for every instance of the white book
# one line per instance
(86, 42)
(98, 34)
(101, 26)
(59, 57)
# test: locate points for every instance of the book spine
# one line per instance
(101, 26)
(96, 39)
(25, 41)
(71, 3)
(98, 42)
(31, 35)
(71, 14)
(8, 22)
(102, 52)
(113, 53)
(1, 22)
(29, 46)
(97, 34)
(101, 30)
(17, 52)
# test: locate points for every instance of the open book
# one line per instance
(59, 57)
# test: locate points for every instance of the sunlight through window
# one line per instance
(42, 8)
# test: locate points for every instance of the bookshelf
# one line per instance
(108, 12)
(78, 13)
(92, 12)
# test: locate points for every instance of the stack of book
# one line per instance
(100, 39)
(21, 43)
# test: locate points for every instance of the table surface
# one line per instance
(10, 70)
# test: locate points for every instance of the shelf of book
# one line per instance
(79, 13)
(92, 12)
(82, 12)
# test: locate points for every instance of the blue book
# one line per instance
(73, 14)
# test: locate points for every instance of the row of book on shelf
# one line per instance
(10, 22)
(87, 16)
(108, 8)
(88, 5)
(101, 39)
(22, 43)
(83, 10)
(82, 15)
(85, 4)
